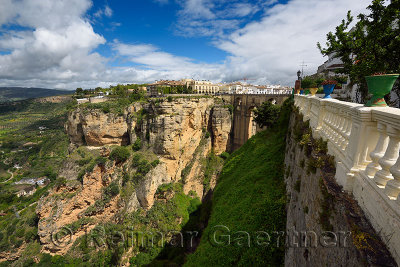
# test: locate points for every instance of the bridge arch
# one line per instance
(251, 123)
(238, 103)
(244, 125)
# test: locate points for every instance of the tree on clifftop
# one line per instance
(79, 91)
(371, 46)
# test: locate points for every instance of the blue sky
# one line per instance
(155, 22)
(85, 43)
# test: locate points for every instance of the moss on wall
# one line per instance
(317, 203)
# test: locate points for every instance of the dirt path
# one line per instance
(12, 176)
(8, 171)
(27, 207)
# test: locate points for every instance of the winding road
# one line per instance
(8, 171)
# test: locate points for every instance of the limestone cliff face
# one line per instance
(180, 134)
(96, 128)
(148, 187)
(74, 208)
(66, 204)
(173, 130)
(221, 123)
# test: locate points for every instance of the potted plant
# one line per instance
(313, 88)
(379, 85)
(328, 85)
(341, 80)
(305, 83)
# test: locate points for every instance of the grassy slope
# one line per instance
(249, 196)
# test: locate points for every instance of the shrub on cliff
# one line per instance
(154, 163)
(144, 167)
(112, 190)
(224, 155)
(230, 108)
(60, 182)
(136, 159)
(120, 154)
(137, 145)
(101, 160)
(106, 108)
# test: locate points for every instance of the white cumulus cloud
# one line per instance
(51, 43)
(107, 11)
(55, 46)
(274, 47)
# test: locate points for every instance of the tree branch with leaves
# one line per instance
(371, 46)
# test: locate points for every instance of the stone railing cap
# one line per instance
(387, 115)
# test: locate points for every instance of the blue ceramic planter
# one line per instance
(328, 89)
(302, 92)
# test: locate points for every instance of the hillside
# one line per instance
(20, 93)
(27, 152)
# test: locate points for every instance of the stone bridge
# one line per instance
(365, 143)
(244, 126)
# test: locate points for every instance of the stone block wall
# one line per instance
(325, 226)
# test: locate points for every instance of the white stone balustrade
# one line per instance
(378, 152)
(389, 158)
(365, 142)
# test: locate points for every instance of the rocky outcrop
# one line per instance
(168, 127)
(66, 204)
(181, 132)
(148, 187)
(53, 99)
(221, 125)
(96, 128)
(173, 130)
(69, 169)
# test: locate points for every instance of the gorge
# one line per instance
(148, 183)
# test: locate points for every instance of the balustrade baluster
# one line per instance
(337, 127)
(332, 126)
(339, 139)
(378, 152)
(389, 158)
(392, 188)
(343, 127)
(342, 130)
(348, 132)
(325, 122)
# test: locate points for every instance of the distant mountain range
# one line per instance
(20, 93)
